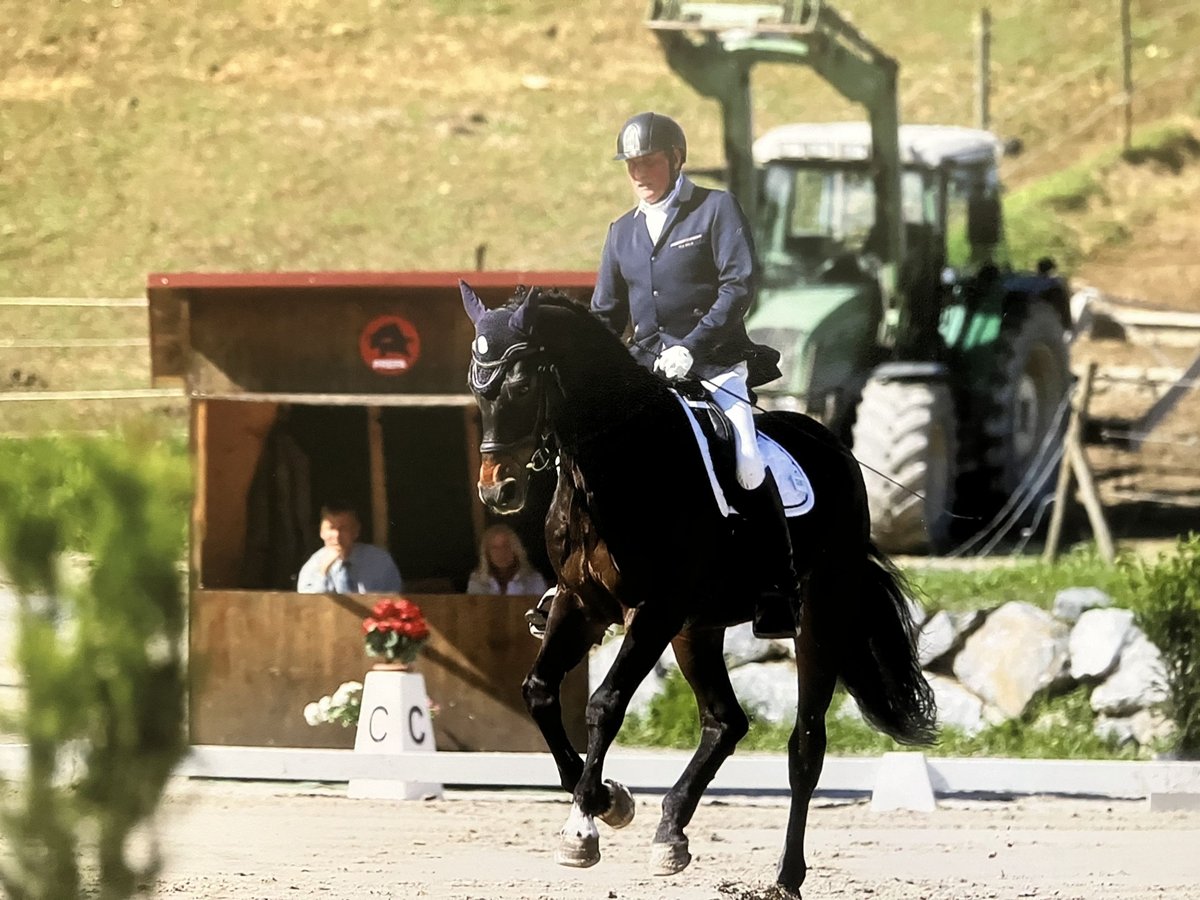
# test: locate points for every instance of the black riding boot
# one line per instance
(777, 612)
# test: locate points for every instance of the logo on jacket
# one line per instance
(389, 345)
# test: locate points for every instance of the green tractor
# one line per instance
(884, 280)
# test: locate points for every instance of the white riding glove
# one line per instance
(674, 362)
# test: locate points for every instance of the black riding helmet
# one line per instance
(648, 133)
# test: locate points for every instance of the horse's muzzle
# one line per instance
(502, 496)
(500, 491)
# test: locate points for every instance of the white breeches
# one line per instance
(729, 391)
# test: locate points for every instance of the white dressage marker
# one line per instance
(902, 782)
(394, 718)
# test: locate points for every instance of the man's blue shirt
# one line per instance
(369, 570)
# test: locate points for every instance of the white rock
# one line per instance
(601, 661)
(1143, 728)
(1071, 603)
(957, 707)
(743, 648)
(1097, 640)
(1138, 683)
(767, 690)
(1019, 651)
(918, 612)
(945, 633)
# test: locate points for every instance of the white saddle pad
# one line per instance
(795, 490)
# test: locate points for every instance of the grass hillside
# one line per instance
(402, 134)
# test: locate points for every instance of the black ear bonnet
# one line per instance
(497, 345)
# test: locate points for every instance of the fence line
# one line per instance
(71, 343)
(94, 302)
(129, 394)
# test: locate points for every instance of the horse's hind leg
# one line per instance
(700, 655)
(816, 676)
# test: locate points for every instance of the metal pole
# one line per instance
(983, 67)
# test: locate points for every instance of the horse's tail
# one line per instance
(877, 653)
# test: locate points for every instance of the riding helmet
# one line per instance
(648, 133)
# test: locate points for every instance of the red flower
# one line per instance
(398, 616)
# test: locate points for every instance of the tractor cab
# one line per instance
(822, 241)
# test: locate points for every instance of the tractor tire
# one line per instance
(1021, 404)
(907, 431)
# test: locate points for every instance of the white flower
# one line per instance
(325, 705)
(312, 714)
(347, 693)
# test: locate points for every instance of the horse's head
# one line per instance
(508, 378)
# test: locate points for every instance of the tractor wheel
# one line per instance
(907, 431)
(1021, 404)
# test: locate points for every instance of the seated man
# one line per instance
(344, 566)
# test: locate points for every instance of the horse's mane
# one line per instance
(590, 339)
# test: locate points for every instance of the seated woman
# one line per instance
(503, 566)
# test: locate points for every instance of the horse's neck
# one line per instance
(603, 399)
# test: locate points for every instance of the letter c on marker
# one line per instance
(414, 712)
(371, 724)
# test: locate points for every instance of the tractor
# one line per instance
(884, 280)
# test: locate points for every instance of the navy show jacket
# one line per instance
(691, 287)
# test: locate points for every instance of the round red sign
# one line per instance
(389, 345)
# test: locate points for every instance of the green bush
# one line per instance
(91, 537)
(1166, 605)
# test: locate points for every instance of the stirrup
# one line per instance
(776, 613)
(537, 617)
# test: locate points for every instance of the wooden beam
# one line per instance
(379, 500)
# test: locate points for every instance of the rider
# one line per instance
(681, 263)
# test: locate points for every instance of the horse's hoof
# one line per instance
(783, 892)
(620, 811)
(669, 858)
(578, 852)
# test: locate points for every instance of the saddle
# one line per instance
(715, 436)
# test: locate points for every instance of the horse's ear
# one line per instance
(471, 302)
(526, 315)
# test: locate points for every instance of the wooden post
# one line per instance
(1127, 73)
(378, 473)
(1074, 463)
(471, 430)
(983, 69)
(199, 442)
(1091, 502)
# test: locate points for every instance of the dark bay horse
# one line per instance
(636, 537)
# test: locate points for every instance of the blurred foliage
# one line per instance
(1166, 605)
(91, 537)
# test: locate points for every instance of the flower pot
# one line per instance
(390, 666)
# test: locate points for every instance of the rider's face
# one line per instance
(650, 176)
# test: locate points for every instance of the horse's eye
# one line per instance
(520, 388)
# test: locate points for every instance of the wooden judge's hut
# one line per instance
(308, 387)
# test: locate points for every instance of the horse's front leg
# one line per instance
(646, 637)
(569, 635)
(723, 723)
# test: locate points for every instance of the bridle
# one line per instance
(483, 377)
